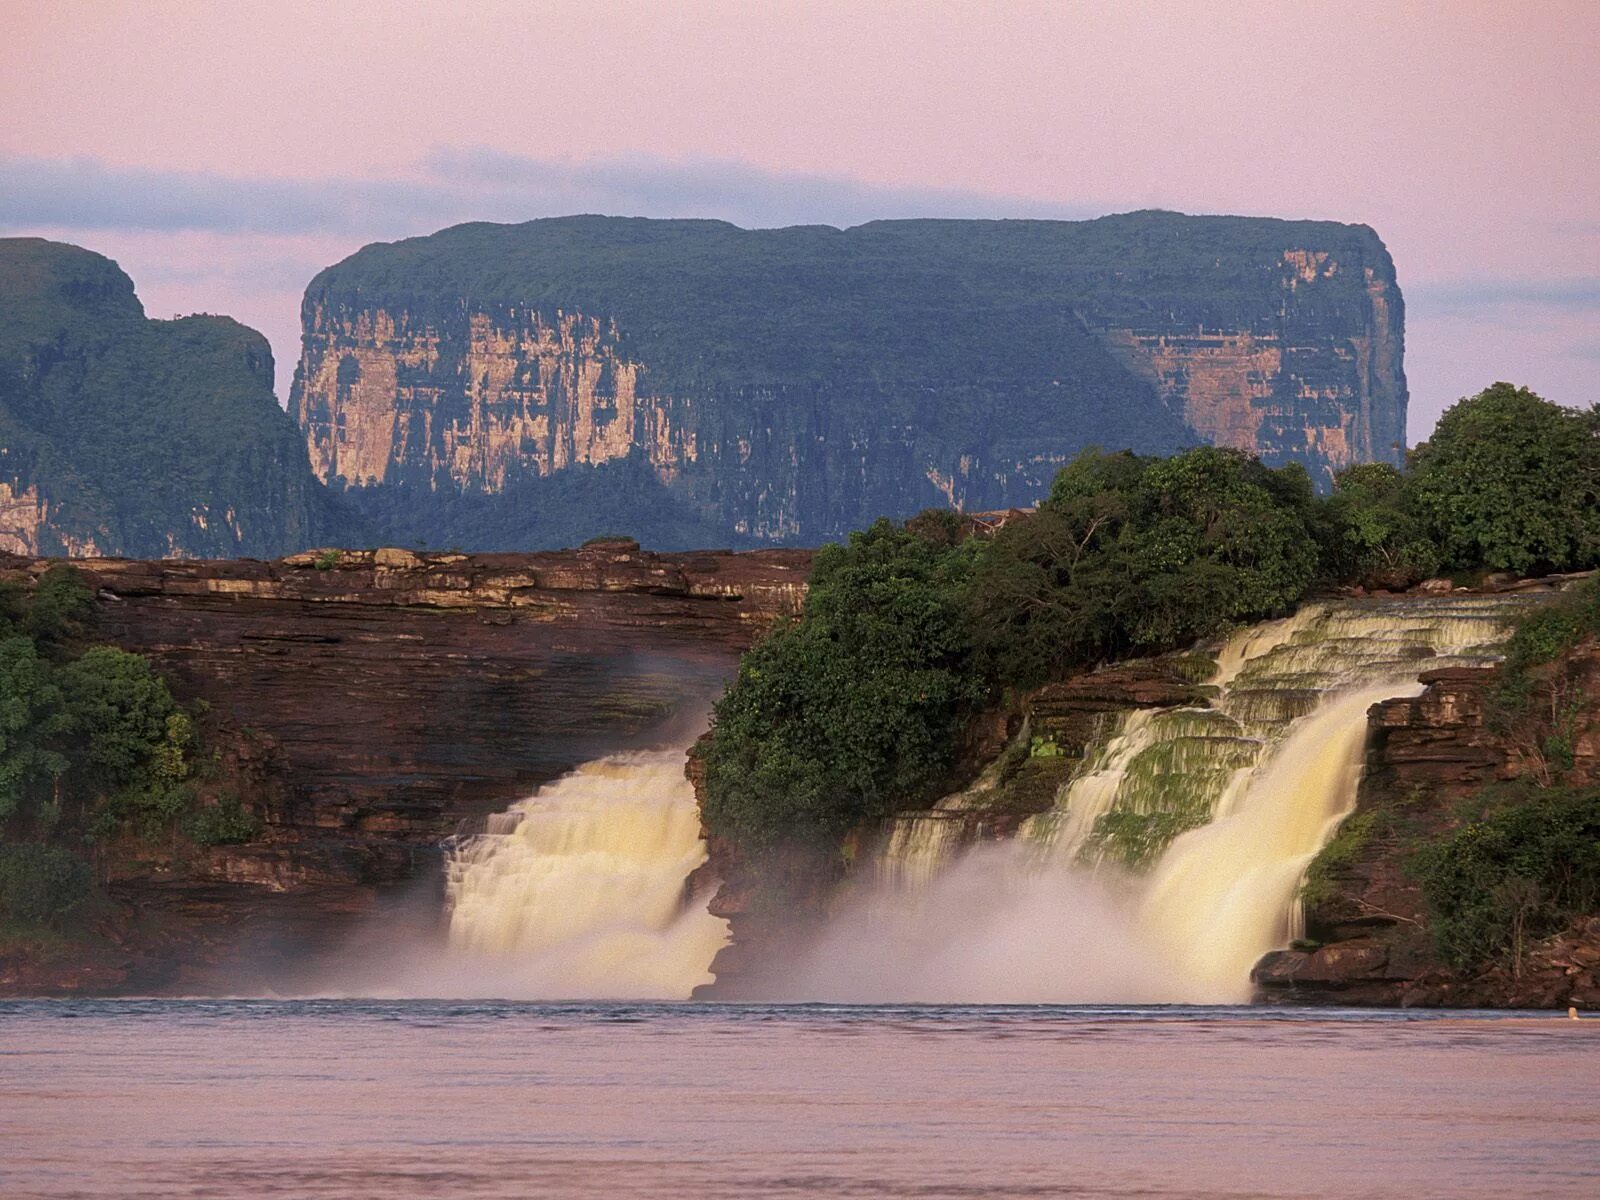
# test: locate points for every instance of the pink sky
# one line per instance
(1467, 134)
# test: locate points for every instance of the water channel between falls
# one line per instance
(1170, 862)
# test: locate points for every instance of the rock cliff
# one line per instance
(1369, 938)
(122, 435)
(692, 382)
(368, 705)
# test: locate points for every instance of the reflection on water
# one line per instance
(413, 1099)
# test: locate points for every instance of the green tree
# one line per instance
(33, 717)
(135, 741)
(1520, 872)
(854, 710)
(1140, 554)
(1377, 539)
(1509, 481)
(61, 607)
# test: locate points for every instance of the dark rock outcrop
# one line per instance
(368, 705)
(1369, 940)
(499, 386)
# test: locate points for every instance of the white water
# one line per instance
(578, 891)
(1267, 773)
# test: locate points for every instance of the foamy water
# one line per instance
(430, 1099)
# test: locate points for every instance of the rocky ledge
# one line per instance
(370, 704)
(1368, 942)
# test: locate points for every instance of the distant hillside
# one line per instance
(690, 382)
(127, 436)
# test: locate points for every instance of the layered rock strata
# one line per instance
(692, 380)
(369, 705)
(1370, 943)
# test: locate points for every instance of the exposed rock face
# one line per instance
(1427, 755)
(699, 381)
(122, 435)
(370, 703)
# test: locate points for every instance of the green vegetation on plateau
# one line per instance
(145, 438)
(94, 750)
(909, 632)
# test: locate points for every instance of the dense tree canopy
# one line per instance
(1511, 482)
(93, 747)
(856, 709)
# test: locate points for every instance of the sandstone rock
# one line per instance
(490, 362)
(396, 560)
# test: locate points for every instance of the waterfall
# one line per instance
(579, 890)
(1172, 860)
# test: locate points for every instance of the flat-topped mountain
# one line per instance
(690, 382)
(124, 435)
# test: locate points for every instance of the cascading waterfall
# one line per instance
(1180, 843)
(1168, 865)
(579, 890)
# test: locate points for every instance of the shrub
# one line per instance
(225, 823)
(1375, 537)
(1521, 871)
(40, 884)
(33, 718)
(61, 608)
(1137, 554)
(1321, 881)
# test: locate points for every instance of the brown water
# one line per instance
(432, 1099)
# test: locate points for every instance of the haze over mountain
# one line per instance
(686, 382)
(123, 435)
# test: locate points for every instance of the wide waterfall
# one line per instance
(1172, 860)
(1169, 863)
(579, 890)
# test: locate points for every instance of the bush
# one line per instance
(225, 823)
(61, 608)
(1321, 883)
(33, 720)
(1137, 554)
(39, 884)
(1523, 870)
(1375, 537)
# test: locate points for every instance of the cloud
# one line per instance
(1468, 296)
(451, 185)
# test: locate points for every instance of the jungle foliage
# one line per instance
(93, 748)
(1522, 870)
(857, 708)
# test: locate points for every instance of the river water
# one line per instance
(437, 1099)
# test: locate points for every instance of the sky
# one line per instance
(223, 153)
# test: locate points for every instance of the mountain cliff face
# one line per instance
(689, 381)
(123, 435)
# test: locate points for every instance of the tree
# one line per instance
(1509, 481)
(32, 718)
(854, 710)
(1131, 553)
(1377, 538)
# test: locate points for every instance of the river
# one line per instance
(329, 1098)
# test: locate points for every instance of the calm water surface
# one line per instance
(413, 1099)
